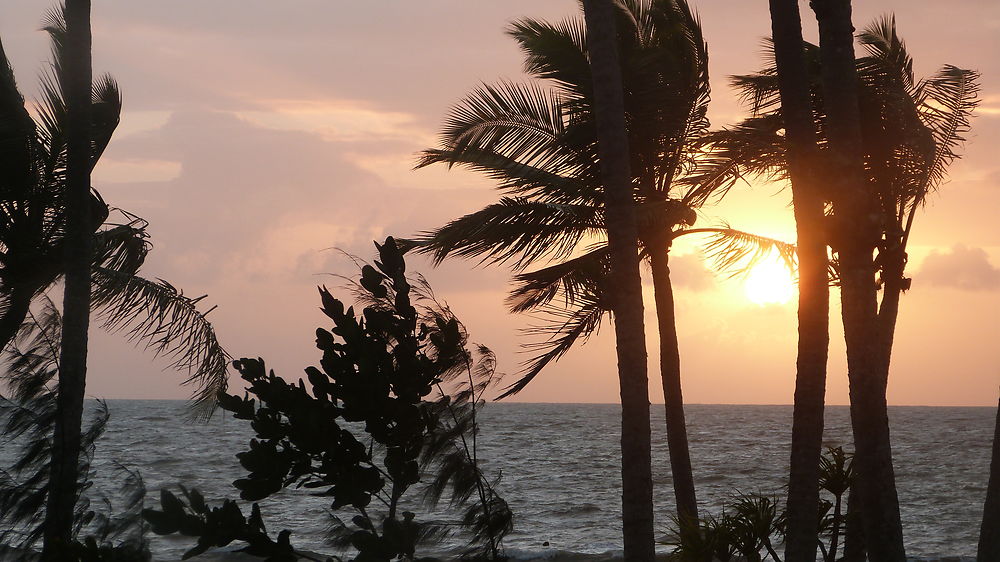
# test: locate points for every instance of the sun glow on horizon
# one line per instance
(769, 283)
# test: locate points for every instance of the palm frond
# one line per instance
(514, 230)
(887, 53)
(568, 279)
(32, 359)
(556, 52)
(550, 183)
(106, 112)
(947, 102)
(735, 252)
(751, 149)
(759, 91)
(519, 121)
(562, 329)
(162, 319)
(122, 247)
(17, 136)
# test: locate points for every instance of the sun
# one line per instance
(769, 283)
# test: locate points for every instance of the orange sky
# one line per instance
(257, 134)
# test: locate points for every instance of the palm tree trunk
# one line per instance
(670, 375)
(63, 492)
(856, 232)
(813, 310)
(627, 308)
(989, 533)
(888, 311)
(854, 532)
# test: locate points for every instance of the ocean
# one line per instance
(560, 469)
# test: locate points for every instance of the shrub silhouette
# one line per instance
(386, 423)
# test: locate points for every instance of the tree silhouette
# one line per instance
(626, 305)
(387, 422)
(75, 70)
(540, 146)
(989, 531)
(37, 252)
(151, 312)
(814, 299)
(910, 133)
(114, 529)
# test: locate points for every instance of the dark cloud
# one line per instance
(961, 268)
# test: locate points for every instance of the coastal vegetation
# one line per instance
(911, 131)
(55, 228)
(604, 160)
(387, 424)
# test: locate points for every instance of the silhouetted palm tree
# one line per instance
(541, 148)
(910, 132)
(75, 73)
(814, 300)
(33, 211)
(623, 244)
(43, 217)
(989, 532)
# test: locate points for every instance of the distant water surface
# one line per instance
(561, 470)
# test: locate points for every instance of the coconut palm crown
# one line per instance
(911, 131)
(538, 142)
(539, 145)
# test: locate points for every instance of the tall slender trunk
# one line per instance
(814, 298)
(670, 375)
(856, 231)
(989, 533)
(894, 264)
(76, 80)
(854, 532)
(609, 113)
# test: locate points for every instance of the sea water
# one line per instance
(561, 473)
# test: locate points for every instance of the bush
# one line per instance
(386, 424)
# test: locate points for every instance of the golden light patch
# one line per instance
(769, 283)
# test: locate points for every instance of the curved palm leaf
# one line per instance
(521, 122)
(947, 101)
(573, 277)
(748, 150)
(563, 328)
(556, 52)
(163, 320)
(735, 252)
(514, 230)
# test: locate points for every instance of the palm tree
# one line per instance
(910, 133)
(801, 535)
(989, 532)
(76, 73)
(541, 148)
(623, 243)
(42, 219)
(33, 209)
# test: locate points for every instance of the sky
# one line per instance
(258, 136)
